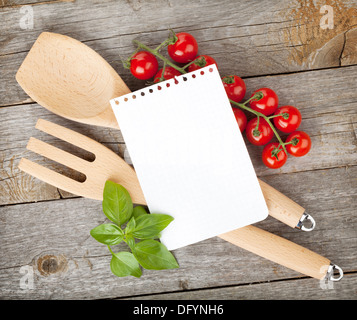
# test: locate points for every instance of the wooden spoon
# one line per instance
(70, 79)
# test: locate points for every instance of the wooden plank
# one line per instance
(329, 117)
(349, 55)
(318, 46)
(17, 187)
(19, 3)
(297, 289)
(242, 42)
(53, 238)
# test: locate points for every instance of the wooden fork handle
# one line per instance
(280, 206)
(279, 250)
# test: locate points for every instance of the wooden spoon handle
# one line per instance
(280, 206)
(279, 250)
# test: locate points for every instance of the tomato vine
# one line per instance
(263, 103)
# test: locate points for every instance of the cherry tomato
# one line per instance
(300, 143)
(268, 104)
(290, 121)
(200, 62)
(235, 87)
(273, 157)
(185, 48)
(261, 135)
(241, 118)
(143, 65)
(169, 73)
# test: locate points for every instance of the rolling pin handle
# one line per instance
(301, 224)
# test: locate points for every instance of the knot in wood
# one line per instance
(50, 264)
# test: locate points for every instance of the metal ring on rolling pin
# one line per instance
(306, 217)
(330, 273)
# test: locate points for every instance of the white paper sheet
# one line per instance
(190, 157)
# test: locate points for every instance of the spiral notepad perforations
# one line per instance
(190, 157)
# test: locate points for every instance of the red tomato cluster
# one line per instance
(144, 65)
(287, 119)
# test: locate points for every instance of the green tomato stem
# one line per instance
(168, 41)
(159, 55)
(162, 44)
(294, 142)
(126, 63)
(284, 115)
(274, 116)
(277, 135)
(162, 78)
(258, 95)
(259, 114)
(243, 106)
(256, 132)
(187, 65)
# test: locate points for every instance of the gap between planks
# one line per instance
(13, 4)
(30, 101)
(73, 196)
(352, 272)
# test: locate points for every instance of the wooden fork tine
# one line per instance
(65, 134)
(60, 156)
(51, 177)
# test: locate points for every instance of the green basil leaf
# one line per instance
(109, 234)
(124, 264)
(139, 211)
(130, 241)
(117, 204)
(152, 254)
(150, 225)
(130, 226)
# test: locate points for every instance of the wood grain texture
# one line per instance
(244, 39)
(329, 116)
(19, 3)
(297, 289)
(48, 229)
(64, 233)
(316, 46)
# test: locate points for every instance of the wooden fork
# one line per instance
(109, 166)
(106, 166)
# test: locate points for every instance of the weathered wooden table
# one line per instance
(46, 250)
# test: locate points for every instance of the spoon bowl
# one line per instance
(70, 79)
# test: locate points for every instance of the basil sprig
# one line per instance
(140, 231)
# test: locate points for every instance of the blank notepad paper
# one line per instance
(190, 157)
